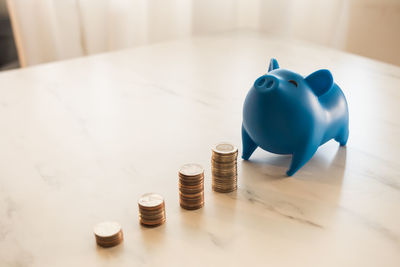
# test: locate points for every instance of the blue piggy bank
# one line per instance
(286, 113)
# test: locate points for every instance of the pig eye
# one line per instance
(293, 82)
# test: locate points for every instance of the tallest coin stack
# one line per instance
(224, 167)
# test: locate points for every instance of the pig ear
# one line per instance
(320, 81)
(273, 64)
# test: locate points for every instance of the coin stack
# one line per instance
(191, 186)
(224, 167)
(151, 209)
(108, 234)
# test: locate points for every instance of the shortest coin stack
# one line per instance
(191, 186)
(108, 234)
(224, 167)
(151, 209)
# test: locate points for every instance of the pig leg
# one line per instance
(343, 136)
(248, 145)
(301, 157)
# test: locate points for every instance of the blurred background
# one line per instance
(38, 31)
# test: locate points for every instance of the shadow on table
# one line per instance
(303, 197)
(320, 168)
(153, 236)
(112, 252)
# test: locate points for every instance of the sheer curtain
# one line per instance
(47, 30)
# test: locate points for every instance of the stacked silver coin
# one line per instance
(224, 167)
(191, 186)
(151, 210)
(108, 234)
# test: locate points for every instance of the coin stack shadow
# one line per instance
(108, 234)
(151, 210)
(224, 167)
(191, 186)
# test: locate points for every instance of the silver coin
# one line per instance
(107, 229)
(150, 200)
(224, 148)
(191, 169)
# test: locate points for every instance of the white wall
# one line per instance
(49, 30)
(373, 29)
(367, 27)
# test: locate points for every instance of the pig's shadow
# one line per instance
(327, 166)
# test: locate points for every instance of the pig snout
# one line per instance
(266, 83)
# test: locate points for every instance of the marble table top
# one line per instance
(81, 140)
